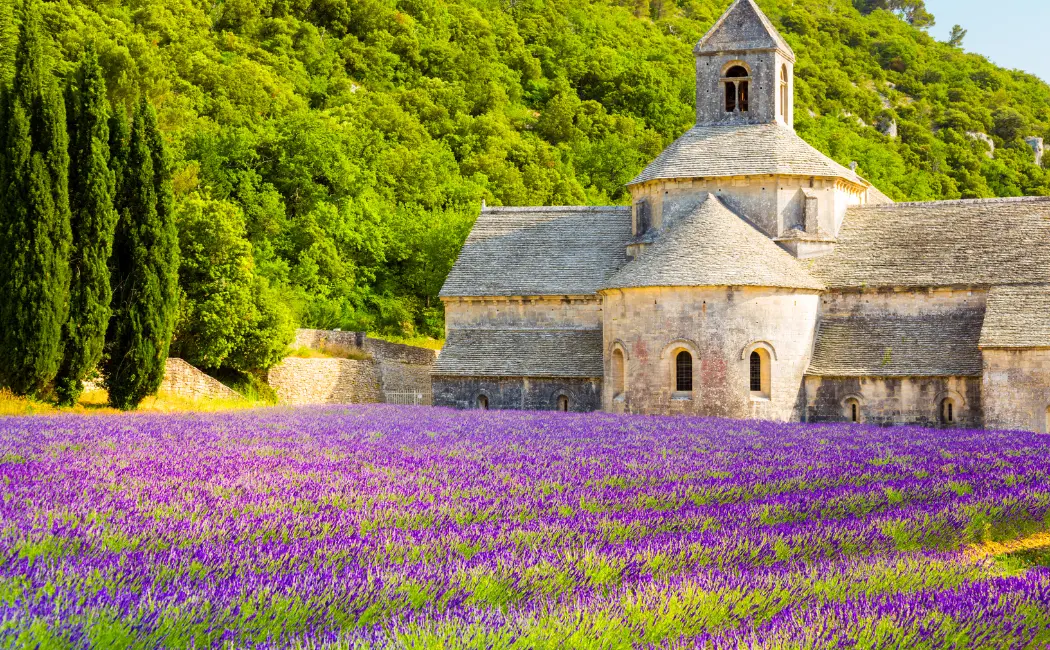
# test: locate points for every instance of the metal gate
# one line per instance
(409, 397)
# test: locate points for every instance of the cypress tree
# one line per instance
(144, 265)
(93, 221)
(34, 216)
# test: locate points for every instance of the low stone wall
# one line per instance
(300, 381)
(393, 367)
(183, 380)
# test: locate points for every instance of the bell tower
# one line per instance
(745, 71)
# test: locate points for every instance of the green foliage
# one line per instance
(145, 265)
(34, 218)
(93, 220)
(358, 138)
(229, 317)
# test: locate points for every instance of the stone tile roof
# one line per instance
(540, 252)
(743, 27)
(712, 246)
(742, 150)
(898, 346)
(942, 243)
(1017, 317)
(521, 353)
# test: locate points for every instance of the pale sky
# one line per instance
(1012, 33)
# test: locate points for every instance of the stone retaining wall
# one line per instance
(393, 367)
(183, 380)
(300, 381)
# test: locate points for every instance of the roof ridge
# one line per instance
(554, 208)
(950, 202)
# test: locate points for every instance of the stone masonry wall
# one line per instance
(895, 401)
(527, 394)
(300, 381)
(183, 380)
(719, 327)
(1017, 389)
(392, 367)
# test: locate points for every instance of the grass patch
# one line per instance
(95, 402)
(416, 341)
(331, 351)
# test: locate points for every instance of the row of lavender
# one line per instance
(377, 526)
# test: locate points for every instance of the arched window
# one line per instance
(948, 411)
(1047, 428)
(483, 402)
(563, 403)
(784, 91)
(759, 374)
(619, 369)
(852, 410)
(737, 84)
(683, 366)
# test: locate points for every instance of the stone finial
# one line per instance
(1037, 146)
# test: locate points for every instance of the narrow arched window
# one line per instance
(684, 372)
(948, 414)
(784, 91)
(759, 374)
(563, 403)
(1047, 428)
(619, 380)
(483, 402)
(737, 84)
(852, 410)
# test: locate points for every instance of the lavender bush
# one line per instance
(379, 527)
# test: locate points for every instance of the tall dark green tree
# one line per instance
(93, 220)
(144, 264)
(34, 218)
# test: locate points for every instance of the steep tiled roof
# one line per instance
(521, 353)
(712, 246)
(743, 27)
(898, 346)
(742, 150)
(942, 243)
(1017, 317)
(540, 252)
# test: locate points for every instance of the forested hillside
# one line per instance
(332, 154)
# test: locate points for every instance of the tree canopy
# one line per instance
(345, 146)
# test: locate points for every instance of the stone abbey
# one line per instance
(754, 277)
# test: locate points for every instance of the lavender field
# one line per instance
(379, 527)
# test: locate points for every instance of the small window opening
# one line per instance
(483, 402)
(563, 403)
(784, 90)
(1047, 427)
(619, 380)
(853, 410)
(643, 217)
(758, 376)
(948, 413)
(730, 97)
(684, 372)
(737, 88)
